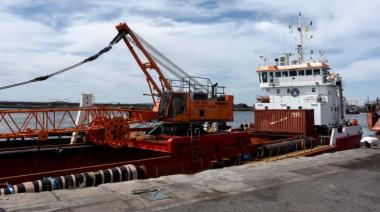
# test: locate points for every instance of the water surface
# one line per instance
(247, 117)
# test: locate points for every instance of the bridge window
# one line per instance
(324, 75)
(278, 91)
(309, 72)
(270, 76)
(285, 73)
(278, 73)
(313, 90)
(317, 72)
(292, 73)
(324, 72)
(264, 76)
(301, 72)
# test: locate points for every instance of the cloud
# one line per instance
(362, 70)
(218, 39)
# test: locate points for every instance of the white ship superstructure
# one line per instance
(302, 84)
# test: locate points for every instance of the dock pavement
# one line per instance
(341, 181)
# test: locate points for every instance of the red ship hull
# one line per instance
(348, 142)
(373, 121)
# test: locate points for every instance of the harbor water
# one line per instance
(247, 117)
(240, 117)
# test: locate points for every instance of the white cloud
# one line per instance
(362, 70)
(222, 40)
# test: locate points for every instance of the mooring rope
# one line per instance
(115, 40)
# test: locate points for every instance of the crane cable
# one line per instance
(156, 58)
(167, 63)
(114, 41)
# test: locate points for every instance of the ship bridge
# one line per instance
(310, 85)
(307, 74)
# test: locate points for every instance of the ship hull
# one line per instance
(175, 155)
(373, 121)
(348, 142)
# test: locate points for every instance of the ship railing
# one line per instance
(42, 123)
(193, 84)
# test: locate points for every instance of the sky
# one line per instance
(221, 40)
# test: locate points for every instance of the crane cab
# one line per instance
(194, 107)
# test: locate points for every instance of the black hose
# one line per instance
(80, 180)
(115, 40)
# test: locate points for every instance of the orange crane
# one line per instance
(182, 103)
(192, 102)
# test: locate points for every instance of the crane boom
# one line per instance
(168, 64)
(147, 66)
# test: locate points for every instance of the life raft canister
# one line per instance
(331, 76)
(354, 122)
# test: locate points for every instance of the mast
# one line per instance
(339, 86)
(300, 46)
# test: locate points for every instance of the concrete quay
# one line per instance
(341, 181)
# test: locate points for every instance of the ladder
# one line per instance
(195, 137)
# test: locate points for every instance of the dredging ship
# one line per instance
(185, 132)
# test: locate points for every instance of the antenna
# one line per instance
(302, 37)
(265, 59)
(322, 55)
(300, 46)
